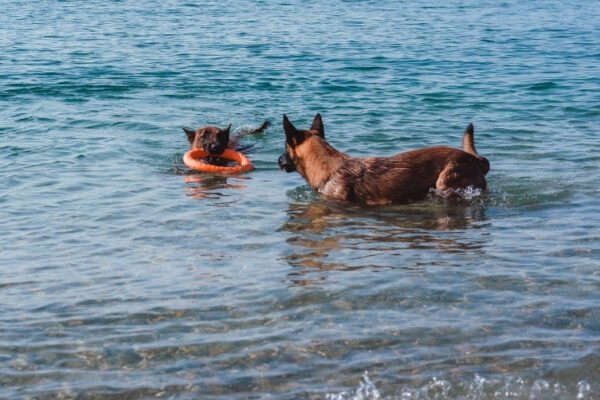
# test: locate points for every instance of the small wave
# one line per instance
(543, 86)
(303, 194)
(476, 388)
(511, 198)
(70, 89)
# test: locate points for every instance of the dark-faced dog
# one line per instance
(401, 178)
(215, 140)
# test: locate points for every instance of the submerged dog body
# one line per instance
(401, 178)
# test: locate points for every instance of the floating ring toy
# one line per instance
(190, 159)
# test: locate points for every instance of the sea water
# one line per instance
(124, 275)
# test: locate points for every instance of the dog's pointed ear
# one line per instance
(224, 133)
(317, 125)
(292, 136)
(190, 133)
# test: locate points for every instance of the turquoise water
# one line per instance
(123, 275)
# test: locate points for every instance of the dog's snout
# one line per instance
(213, 148)
(285, 163)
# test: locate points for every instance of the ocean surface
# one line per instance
(123, 275)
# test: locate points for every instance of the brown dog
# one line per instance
(215, 140)
(401, 178)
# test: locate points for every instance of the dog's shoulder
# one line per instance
(341, 183)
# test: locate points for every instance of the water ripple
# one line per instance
(125, 275)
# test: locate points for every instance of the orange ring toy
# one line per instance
(190, 158)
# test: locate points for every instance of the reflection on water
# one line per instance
(203, 186)
(327, 235)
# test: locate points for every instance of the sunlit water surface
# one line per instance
(123, 275)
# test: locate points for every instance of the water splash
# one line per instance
(478, 388)
(470, 194)
(366, 391)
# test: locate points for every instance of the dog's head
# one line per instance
(211, 139)
(295, 143)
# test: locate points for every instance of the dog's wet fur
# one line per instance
(401, 178)
(215, 140)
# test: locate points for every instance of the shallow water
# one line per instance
(125, 276)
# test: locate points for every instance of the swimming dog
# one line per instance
(215, 140)
(401, 178)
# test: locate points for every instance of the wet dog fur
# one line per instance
(401, 178)
(215, 140)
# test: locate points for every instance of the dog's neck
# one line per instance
(318, 162)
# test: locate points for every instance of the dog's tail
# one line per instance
(259, 129)
(469, 147)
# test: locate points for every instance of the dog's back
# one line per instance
(404, 177)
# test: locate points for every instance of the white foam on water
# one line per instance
(470, 193)
(366, 391)
(477, 388)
